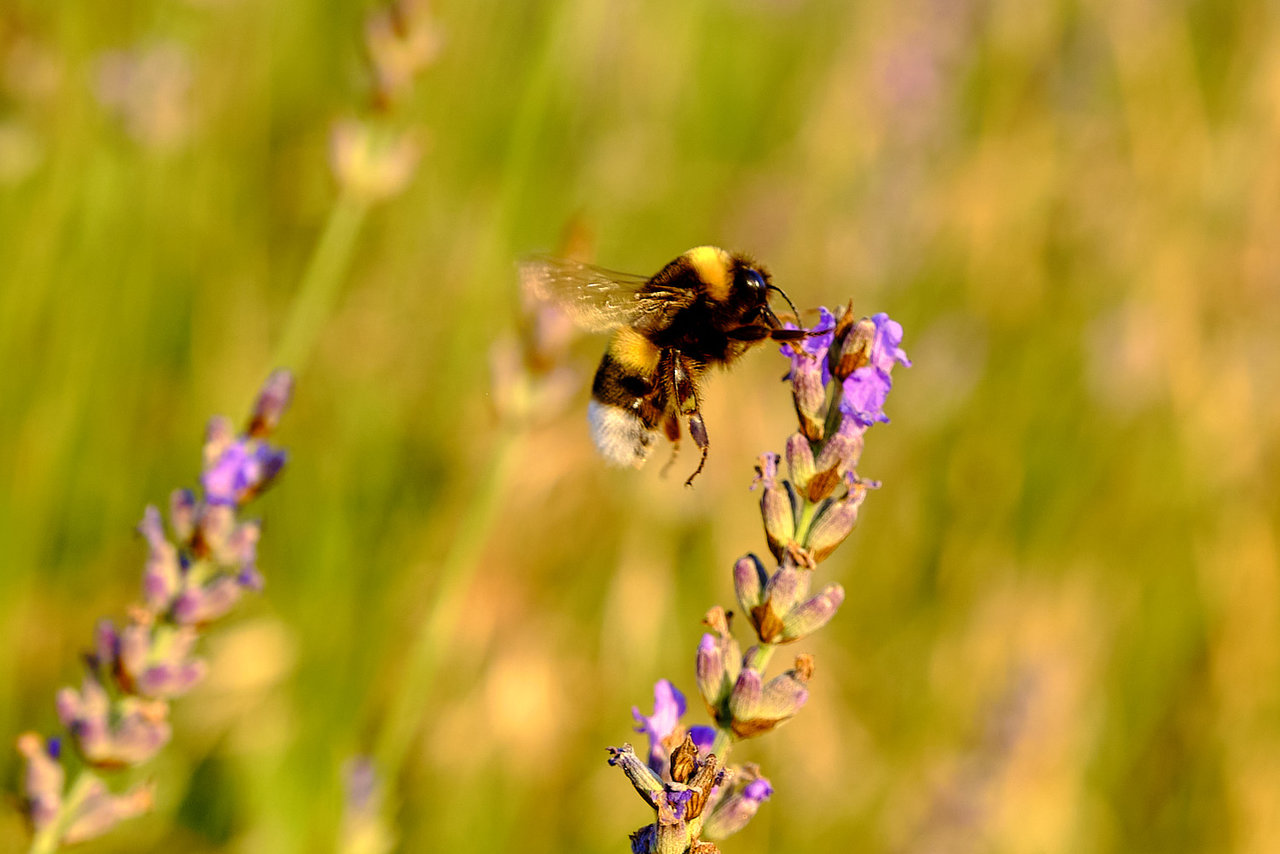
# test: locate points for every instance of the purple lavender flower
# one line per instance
(128, 731)
(866, 388)
(886, 351)
(813, 349)
(732, 813)
(668, 707)
(120, 715)
(806, 516)
(239, 470)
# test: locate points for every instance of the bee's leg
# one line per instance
(685, 386)
(672, 427)
(751, 334)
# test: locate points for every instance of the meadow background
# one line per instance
(1063, 624)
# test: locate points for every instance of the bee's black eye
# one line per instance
(754, 280)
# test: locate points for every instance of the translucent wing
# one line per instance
(593, 298)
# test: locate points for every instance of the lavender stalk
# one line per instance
(118, 718)
(840, 378)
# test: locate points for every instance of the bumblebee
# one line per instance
(703, 309)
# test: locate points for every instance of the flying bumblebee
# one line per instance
(705, 308)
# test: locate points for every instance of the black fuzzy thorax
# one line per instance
(700, 329)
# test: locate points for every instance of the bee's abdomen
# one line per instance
(625, 407)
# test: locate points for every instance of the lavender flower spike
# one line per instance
(119, 718)
(840, 376)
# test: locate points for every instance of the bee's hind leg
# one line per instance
(698, 430)
(686, 392)
(672, 427)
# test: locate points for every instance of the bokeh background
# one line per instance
(1063, 624)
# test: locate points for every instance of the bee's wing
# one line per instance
(595, 299)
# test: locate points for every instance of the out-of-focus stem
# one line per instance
(402, 718)
(49, 838)
(318, 291)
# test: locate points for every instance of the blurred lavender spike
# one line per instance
(119, 718)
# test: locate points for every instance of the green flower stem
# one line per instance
(806, 522)
(764, 652)
(318, 291)
(404, 716)
(50, 837)
(720, 747)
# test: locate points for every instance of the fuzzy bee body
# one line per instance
(705, 308)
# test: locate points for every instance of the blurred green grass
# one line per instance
(1063, 628)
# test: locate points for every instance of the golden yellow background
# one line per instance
(1062, 632)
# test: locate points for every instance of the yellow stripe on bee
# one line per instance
(632, 350)
(712, 266)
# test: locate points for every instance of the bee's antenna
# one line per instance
(787, 298)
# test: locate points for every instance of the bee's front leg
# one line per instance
(751, 334)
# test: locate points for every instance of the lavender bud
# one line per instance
(855, 349)
(810, 397)
(162, 575)
(834, 522)
(776, 701)
(718, 663)
(199, 605)
(788, 586)
(778, 506)
(218, 437)
(272, 401)
(182, 514)
(800, 462)
(106, 647)
(749, 579)
(809, 616)
(733, 812)
(100, 810)
(128, 734)
(157, 662)
(42, 779)
(867, 385)
(214, 528)
(744, 701)
(235, 547)
(710, 671)
(839, 455)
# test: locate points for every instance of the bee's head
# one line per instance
(752, 286)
